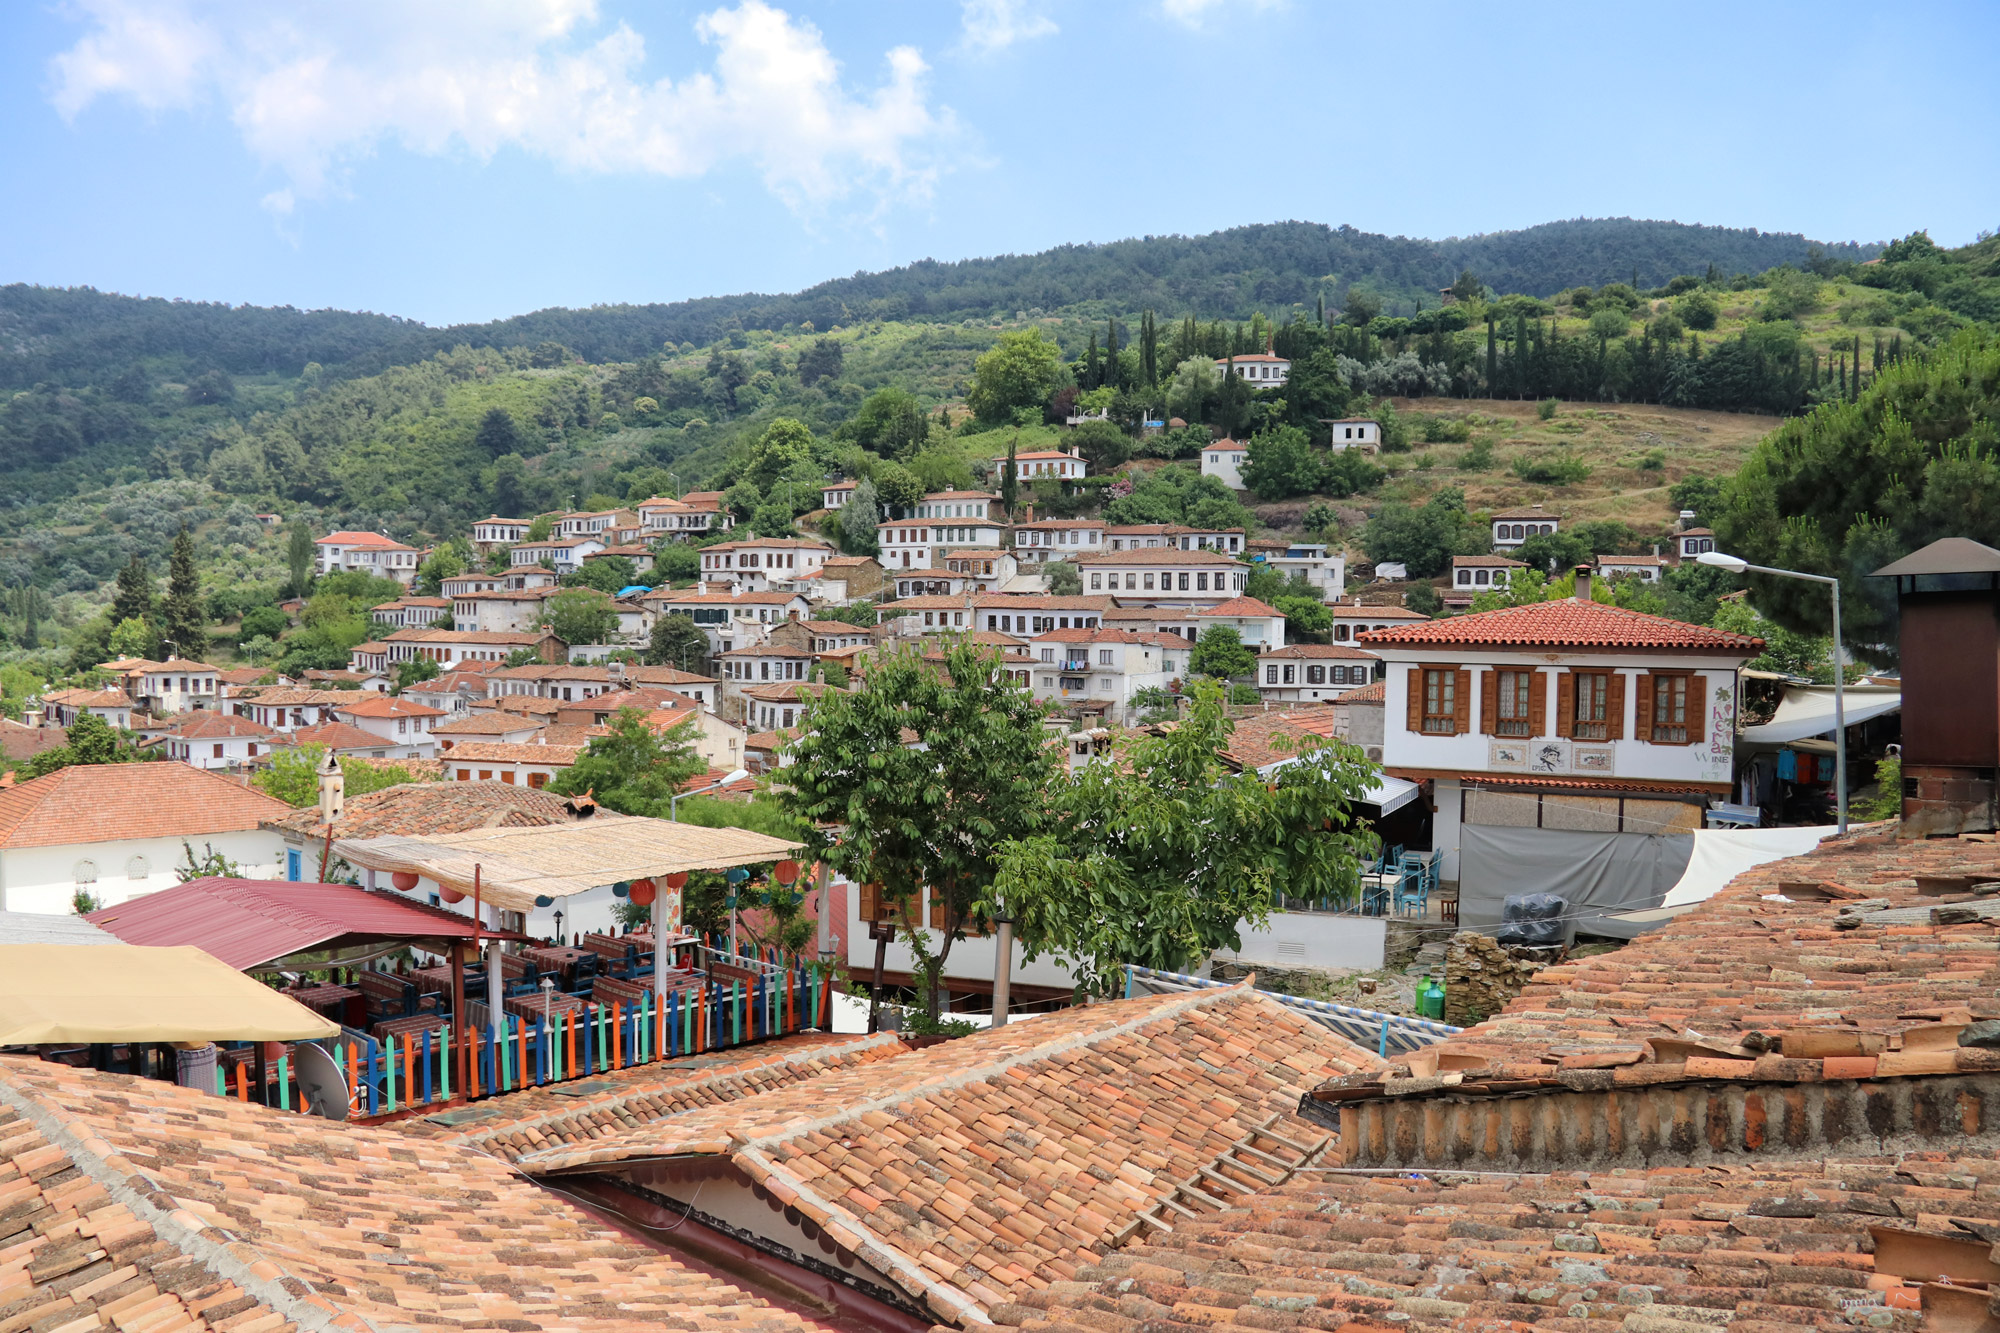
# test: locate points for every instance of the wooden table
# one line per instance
(556, 957)
(614, 947)
(323, 998)
(392, 1029)
(433, 979)
(530, 1008)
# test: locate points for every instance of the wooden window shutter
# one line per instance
(1489, 701)
(1614, 707)
(1416, 698)
(1461, 704)
(1697, 710)
(868, 902)
(937, 911)
(1565, 703)
(1538, 703)
(1642, 713)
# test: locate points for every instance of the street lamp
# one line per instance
(1736, 564)
(674, 801)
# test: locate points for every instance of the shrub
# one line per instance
(1610, 321)
(1653, 461)
(1564, 469)
(1698, 310)
(1546, 409)
(1447, 430)
(1478, 458)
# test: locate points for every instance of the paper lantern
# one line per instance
(737, 874)
(677, 880)
(404, 880)
(785, 872)
(450, 895)
(642, 892)
(543, 900)
(620, 889)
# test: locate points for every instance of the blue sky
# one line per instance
(451, 160)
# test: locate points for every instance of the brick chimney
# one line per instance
(1583, 583)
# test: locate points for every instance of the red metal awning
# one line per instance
(245, 922)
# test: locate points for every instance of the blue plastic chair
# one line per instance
(1410, 883)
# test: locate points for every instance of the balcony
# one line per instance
(1076, 664)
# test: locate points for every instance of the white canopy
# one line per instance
(1720, 855)
(1807, 710)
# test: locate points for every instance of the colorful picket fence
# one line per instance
(418, 1069)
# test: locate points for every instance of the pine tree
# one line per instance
(1322, 309)
(183, 617)
(1091, 371)
(1113, 372)
(133, 597)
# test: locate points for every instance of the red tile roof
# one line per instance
(461, 636)
(1486, 562)
(135, 1205)
(87, 803)
(484, 724)
(371, 540)
(245, 922)
(1566, 623)
(433, 807)
(208, 724)
(384, 705)
(496, 752)
(339, 736)
(1238, 606)
(1375, 692)
(1532, 511)
(1319, 650)
(1156, 555)
(1349, 611)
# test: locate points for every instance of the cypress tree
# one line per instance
(1322, 309)
(1010, 479)
(1149, 350)
(133, 597)
(1112, 370)
(183, 618)
(299, 557)
(1091, 377)
(1492, 359)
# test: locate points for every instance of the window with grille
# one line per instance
(1592, 718)
(1440, 701)
(1512, 698)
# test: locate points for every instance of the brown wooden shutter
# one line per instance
(1461, 704)
(1642, 714)
(1538, 703)
(1614, 706)
(868, 900)
(937, 911)
(1489, 702)
(1566, 703)
(1697, 710)
(1416, 698)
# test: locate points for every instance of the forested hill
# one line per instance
(80, 336)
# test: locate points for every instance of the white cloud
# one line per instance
(991, 25)
(312, 89)
(1192, 12)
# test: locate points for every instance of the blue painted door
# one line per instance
(292, 867)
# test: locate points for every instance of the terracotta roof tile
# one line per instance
(371, 540)
(434, 807)
(207, 724)
(113, 802)
(136, 1205)
(1238, 606)
(484, 723)
(1375, 692)
(1566, 623)
(561, 756)
(338, 736)
(384, 705)
(1349, 611)
(1155, 555)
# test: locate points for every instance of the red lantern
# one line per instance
(677, 880)
(642, 892)
(404, 880)
(450, 895)
(785, 872)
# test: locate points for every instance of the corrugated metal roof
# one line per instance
(49, 928)
(1949, 555)
(245, 922)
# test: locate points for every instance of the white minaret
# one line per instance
(332, 788)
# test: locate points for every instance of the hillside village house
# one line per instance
(451, 648)
(526, 576)
(757, 564)
(1263, 370)
(690, 516)
(835, 495)
(118, 831)
(488, 725)
(1480, 573)
(975, 569)
(1042, 465)
(530, 765)
(211, 739)
(578, 683)
(1691, 542)
(410, 612)
(368, 553)
(172, 686)
(766, 663)
(112, 706)
(1024, 617)
(368, 661)
(599, 523)
(499, 610)
(1057, 539)
(1645, 568)
(728, 615)
(1165, 577)
(1352, 619)
(1098, 670)
(493, 532)
(844, 579)
(565, 555)
(776, 707)
(402, 725)
(1511, 527)
(1258, 625)
(1363, 433)
(452, 693)
(1326, 572)
(1573, 703)
(1312, 672)
(1132, 536)
(829, 636)
(941, 520)
(1224, 461)
(289, 708)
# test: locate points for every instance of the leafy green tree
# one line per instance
(1021, 370)
(1194, 383)
(1156, 860)
(414, 672)
(183, 615)
(132, 599)
(1423, 537)
(634, 769)
(891, 422)
(785, 445)
(678, 642)
(933, 814)
(1220, 653)
(580, 615)
(1560, 551)
(499, 434)
(858, 520)
(262, 622)
(1423, 597)
(1698, 310)
(292, 776)
(133, 637)
(897, 487)
(1703, 495)
(1065, 580)
(1282, 463)
(448, 560)
(676, 562)
(605, 573)
(91, 741)
(1307, 619)
(1102, 444)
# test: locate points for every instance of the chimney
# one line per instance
(1685, 521)
(701, 587)
(332, 788)
(1656, 550)
(1583, 583)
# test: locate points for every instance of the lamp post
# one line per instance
(674, 801)
(1737, 565)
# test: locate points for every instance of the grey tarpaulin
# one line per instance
(1598, 873)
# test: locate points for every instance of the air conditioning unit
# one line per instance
(1374, 752)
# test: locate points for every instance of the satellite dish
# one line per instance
(322, 1087)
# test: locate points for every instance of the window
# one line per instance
(1104, 657)
(1340, 633)
(1513, 703)
(1048, 654)
(538, 779)
(138, 868)
(1149, 581)
(1097, 581)
(1464, 576)
(1289, 677)
(1184, 585)
(1669, 710)
(1316, 675)
(1271, 674)
(1593, 705)
(84, 872)
(1439, 705)
(465, 775)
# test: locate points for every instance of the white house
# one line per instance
(402, 724)
(410, 612)
(1133, 536)
(1263, 370)
(729, 616)
(975, 569)
(1511, 527)
(487, 725)
(1691, 542)
(564, 554)
(173, 686)
(499, 610)
(117, 831)
(113, 706)
(1569, 700)
(1363, 433)
(1224, 460)
(1312, 672)
(1481, 573)
(756, 564)
(763, 664)
(599, 523)
(530, 765)
(1042, 465)
(941, 520)
(1258, 625)
(1098, 670)
(1352, 619)
(1025, 616)
(1646, 568)
(211, 739)
(493, 532)
(368, 553)
(1168, 576)
(288, 708)
(835, 495)
(451, 648)
(692, 516)
(1327, 572)
(1057, 539)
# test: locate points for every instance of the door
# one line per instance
(293, 866)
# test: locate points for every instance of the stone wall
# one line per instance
(1480, 977)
